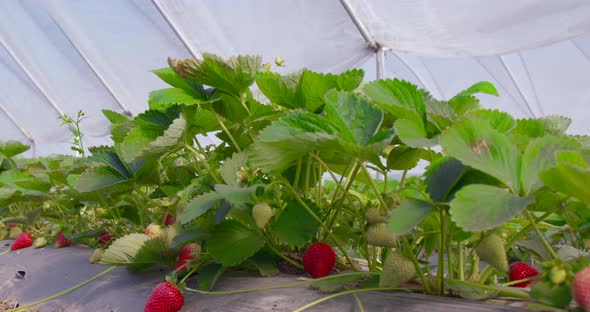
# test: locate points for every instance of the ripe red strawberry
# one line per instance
(187, 253)
(319, 259)
(165, 298)
(104, 237)
(22, 241)
(521, 270)
(168, 219)
(62, 241)
(581, 288)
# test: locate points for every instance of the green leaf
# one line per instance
(540, 155)
(198, 206)
(571, 158)
(442, 176)
(166, 141)
(403, 157)
(231, 243)
(398, 97)
(464, 104)
(231, 166)
(232, 76)
(279, 145)
(153, 252)
(555, 295)
(408, 215)
(123, 250)
(480, 87)
(569, 179)
(479, 207)
(356, 119)
(313, 86)
(209, 275)
(295, 225)
(237, 195)
(500, 121)
(12, 148)
(280, 90)
(336, 284)
(170, 77)
(475, 143)
(162, 99)
(556, 125)
(99, 177)
(411, 131)
(114, 117)
(265, 263)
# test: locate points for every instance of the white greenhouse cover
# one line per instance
(59, 56)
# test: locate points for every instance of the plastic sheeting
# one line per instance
(61, 56)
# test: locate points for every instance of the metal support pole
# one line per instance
(30, 76)
(380, 57)
(90, 64)
(21, 129)
(359, 25)
(176, 30)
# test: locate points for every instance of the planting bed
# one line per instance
(50, 270)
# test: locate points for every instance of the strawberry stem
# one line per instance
(5, 251)
(65, 292)
(290, 285)
(521, 281)
(348, 292)
(502, 292)
(541, 237)
(326, 229)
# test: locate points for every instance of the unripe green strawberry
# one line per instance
(2, 225)
(39, 242)
(558, 275)
(373, 215)
(15, 232)
(3, 234)
(96, 255)
(491, 250)
(587, 243)
(261, 213)
(379, 235)
(397, 270)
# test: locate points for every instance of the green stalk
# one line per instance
(307, 174)
(290, 285)
(414, 260)
(358, 302)
(527, 228)
(486, 274)
(374, 187)
(231, 137)
(297, 173)
(503, 292)
(65, 292)
(449, 254)
(280, 254)
(353, 172)
(204, 162)
(440, 271)
(461, 265)
(304, 205)
(348, 292)
(4, 252)
(543, 240)
(521, 281)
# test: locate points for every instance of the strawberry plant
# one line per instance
(290, 186)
